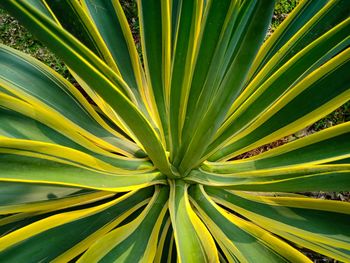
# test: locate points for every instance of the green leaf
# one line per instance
(70, 15)
(19, 167)
(257, 99)
(241, 240)
(304, 178)
(231, 83)
(193, 240)
(31, 132)
(184, 52)
(81, 227)
(329, 14)
(164, 248)
(113, 29)
(322, 147)
(135, 241)
(328, 87)
(138, 161)
(13, 194)
(299, 16)
(40, 86)
(294, 220)
(72, 51)
(155, 42)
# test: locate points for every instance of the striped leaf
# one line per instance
(138, 161)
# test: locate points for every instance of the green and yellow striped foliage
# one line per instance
(142, 167)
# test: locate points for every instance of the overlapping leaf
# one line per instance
(145, 172)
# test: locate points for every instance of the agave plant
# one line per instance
(142, 164)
